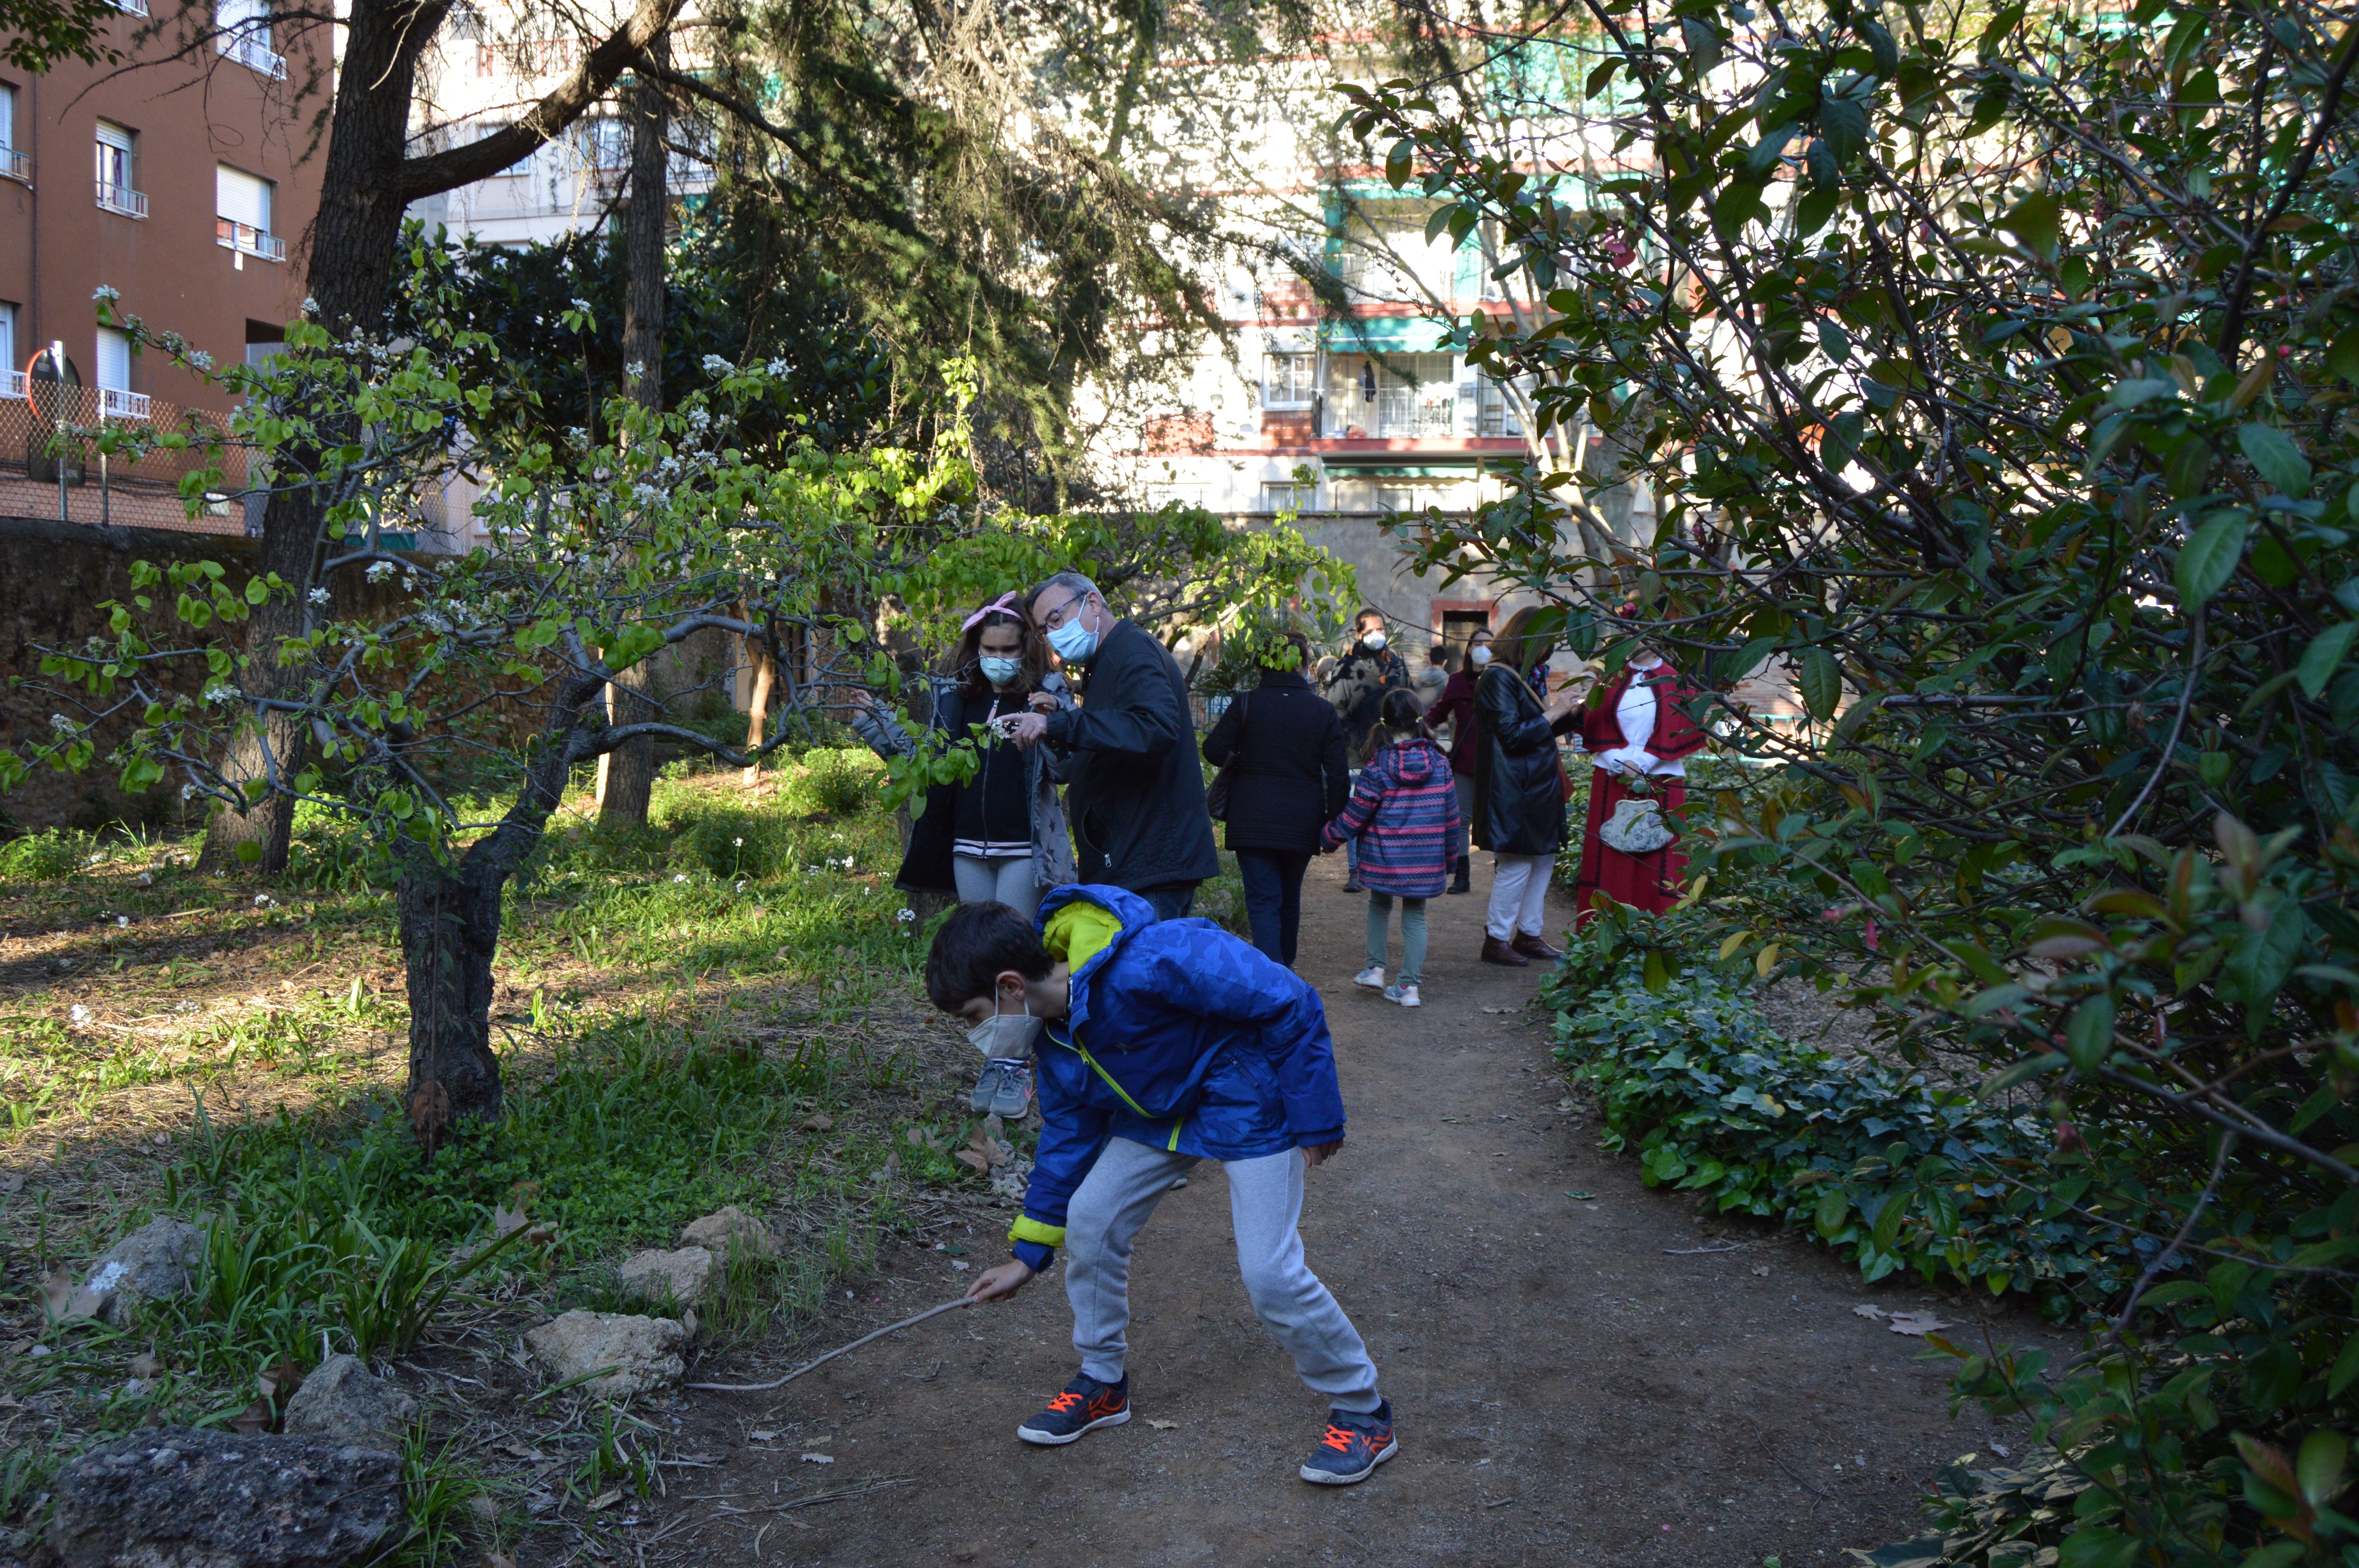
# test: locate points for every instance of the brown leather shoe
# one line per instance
(1497, 952)
(1537, 947)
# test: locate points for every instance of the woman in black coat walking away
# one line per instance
(1519, 789)
(1283, 745)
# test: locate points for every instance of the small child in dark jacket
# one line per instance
(1157, 1044)
(1404, 811)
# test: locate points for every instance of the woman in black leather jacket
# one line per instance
(1519, 789)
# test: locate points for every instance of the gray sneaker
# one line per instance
(1012, 1093)
(987, 1087)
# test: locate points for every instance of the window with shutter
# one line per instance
(113, 360)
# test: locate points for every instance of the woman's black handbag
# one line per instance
(1216, 795)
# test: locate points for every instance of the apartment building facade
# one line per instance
(178, 178)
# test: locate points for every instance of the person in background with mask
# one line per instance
(999, 836)
(1433, 677)
(1455, 707)
(1368, 669)
(1136, 790)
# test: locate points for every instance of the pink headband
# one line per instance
(1004, 605)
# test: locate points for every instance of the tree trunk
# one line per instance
(626, 774)
(450, 930)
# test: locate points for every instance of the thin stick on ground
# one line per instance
(843, 1350)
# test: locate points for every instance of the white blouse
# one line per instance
(1636, 714)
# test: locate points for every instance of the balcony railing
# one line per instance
(136, 8)
(122, 198)
(230, 235)
(16, 164)
(114, 402)
(249, 50)
(12, 384)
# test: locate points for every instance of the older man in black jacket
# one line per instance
(1136, 795)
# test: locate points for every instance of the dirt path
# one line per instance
(1573, 1383)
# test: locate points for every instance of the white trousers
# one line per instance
(1519, 896)
(1113, 1202)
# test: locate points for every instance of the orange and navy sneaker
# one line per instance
(1355, 1446)
(1086, 1405)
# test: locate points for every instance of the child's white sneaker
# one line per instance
(1372, 977)
(1404, 995)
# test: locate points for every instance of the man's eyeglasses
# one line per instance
(1057, 617)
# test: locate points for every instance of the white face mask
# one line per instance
(1000, 672)
(1481, 654)
(1005, 1035)
(1374, 641)
(1074, 643)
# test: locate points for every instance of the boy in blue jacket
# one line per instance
(1158, 1044)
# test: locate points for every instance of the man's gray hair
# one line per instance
(1073, 583)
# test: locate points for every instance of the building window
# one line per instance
(1493, 413)
(242, 204)
(605, 142)
(242, 33)
(118, 189)
(116, 399)
(12, 376)
(1288, 497)
(1399, 396)
(1289, 380)
(15, 162)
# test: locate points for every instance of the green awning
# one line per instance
(1384, 334)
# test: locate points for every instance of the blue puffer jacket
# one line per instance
(1180, 1036)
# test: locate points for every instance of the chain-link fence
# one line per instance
(50, 464)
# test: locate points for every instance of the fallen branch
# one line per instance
(844, 1350)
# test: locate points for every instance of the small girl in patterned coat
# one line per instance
(1403, 810)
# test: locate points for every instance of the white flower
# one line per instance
(379, 570)
(739, 842)
(318, 596)
(905, 916)
(62, 724)
(742, 886)
(680, 876)
(202, 360)
(778, 368)
(715, 365)
(219, 692)
(187, 792)
(582, 305)
(310, 306)
(106, 293)
(122, 920)
(631, 370)
(80, 1013)
(264, 901)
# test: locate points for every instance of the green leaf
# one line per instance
(2319, 1467)
(1602, 78)
(1821, 683)
(1887, 1221)
(2089, 1036)
(2343, 357)
(1843, 123)
(2346, 1368)
(1399, 161)
(1833, 1207)
(2209, 559)
(2275, 456)
(2036, 221)
(2324, 655)
(1768, 151)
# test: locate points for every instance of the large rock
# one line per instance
(155, 1263)
(728, 1228)
(176, 1496)
(343, 1399)
(682, 1275)
(632, 1354)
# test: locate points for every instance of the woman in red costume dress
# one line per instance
(1639, 737)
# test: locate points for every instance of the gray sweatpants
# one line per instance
(1265, 1207)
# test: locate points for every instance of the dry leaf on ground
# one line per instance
(1867, 1312)
(1161, 1425)
(819, 1458)
(1916, 1322)
(56, 1290)
(605, 1500)
(816, 1123)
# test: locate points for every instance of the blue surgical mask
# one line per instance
(1074, 643)
(1002, 672)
